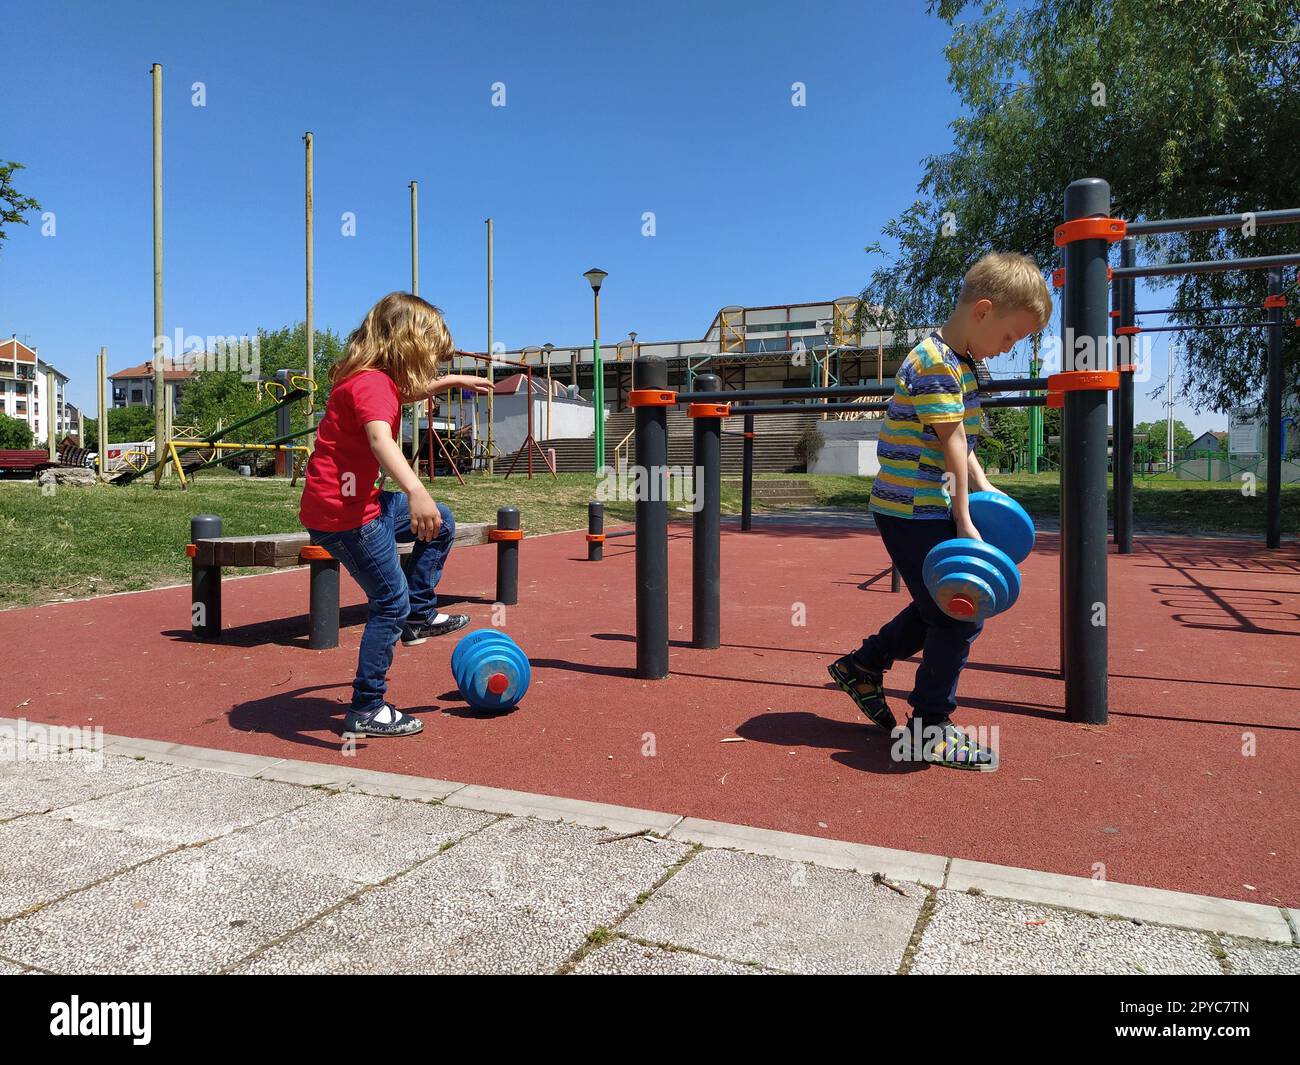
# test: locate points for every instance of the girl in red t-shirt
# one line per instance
(392, 359)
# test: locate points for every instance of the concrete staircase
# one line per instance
(774, 443)
(777, 492)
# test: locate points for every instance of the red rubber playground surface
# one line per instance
(1205, 665)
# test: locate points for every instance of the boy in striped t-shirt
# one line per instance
(928, 468)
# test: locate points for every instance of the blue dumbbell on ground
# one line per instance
(972, 580)
(490, 670)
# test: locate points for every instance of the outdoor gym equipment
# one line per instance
(490, 669)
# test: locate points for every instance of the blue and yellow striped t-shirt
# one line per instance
(933, 385)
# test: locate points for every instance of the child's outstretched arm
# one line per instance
(952, 435)
(426, 521)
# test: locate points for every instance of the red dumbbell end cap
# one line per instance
(959, 606)
(498, 683)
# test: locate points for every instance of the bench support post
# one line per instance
(205, 582)
(324, 608)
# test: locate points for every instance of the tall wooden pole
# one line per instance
(415, 291)
(159, 388)
(309, 207)
(102, 365)
(491, 439)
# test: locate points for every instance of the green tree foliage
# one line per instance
(1005, 438)
(13, 204)
(1185, 108)
(222, 396)
(15, 435)
(125, 425)
(1157, 434)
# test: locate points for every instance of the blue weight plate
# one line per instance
(1003, 523)
(472, 639)
(979, 567)
(508, 661)
(978, 591)
(958, 545)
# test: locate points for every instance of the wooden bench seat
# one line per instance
(279, 550)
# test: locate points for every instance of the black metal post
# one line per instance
(893, 579)
(1273, 534)
(1085, 321)
(323, 611)
(205, 582)
(508, 557)
(706, 549)
(595, 528)
(747, 478)
(1124, 405)
(651, 522)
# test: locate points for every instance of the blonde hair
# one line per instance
(1011, 282)
(405, 337)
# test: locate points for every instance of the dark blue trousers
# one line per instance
(921, 628)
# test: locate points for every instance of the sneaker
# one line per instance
(396, 723)
(942, 743)
(419, 631)
(865, 688)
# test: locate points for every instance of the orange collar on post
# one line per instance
(708, 410)
(313, 553)
(1083, 380)
(498, 535)
(1111, 229)
(651, 397)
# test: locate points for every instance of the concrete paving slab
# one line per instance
(182, 913)
(1257, 959)
(181, 754)
(361, 838)
(780, 914)
(366, 781)
(1182, 910)
(519, 897)
(829, 853)
(976, 934)
(617, 819)
(196, 806)
(28, 786)
(43, 858)
(622, 957)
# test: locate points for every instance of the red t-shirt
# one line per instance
(340, 492)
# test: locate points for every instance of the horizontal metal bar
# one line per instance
(1211, 221)
(807, 408)
(830, 392)
(1014, 401)
(1011, 384)
(1212, 266)
(1198, 310)
(1205, 325)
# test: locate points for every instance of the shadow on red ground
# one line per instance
(1192, 786)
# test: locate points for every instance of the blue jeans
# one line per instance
(921, 627)
(399, 594)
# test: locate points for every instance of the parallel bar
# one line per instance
(1203, 222)
(1212, 266)
(1196, 310)
(1204, 325)
(1123, 422)
(652, 526)
(749, 409)
(1273, 529)
(1010, 384)
(706, 548)
(747, 477)
(1085, 317)
(1014, 401)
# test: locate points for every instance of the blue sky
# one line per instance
(612, 110)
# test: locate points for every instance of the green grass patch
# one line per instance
(105, 538)
(1187, 507)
